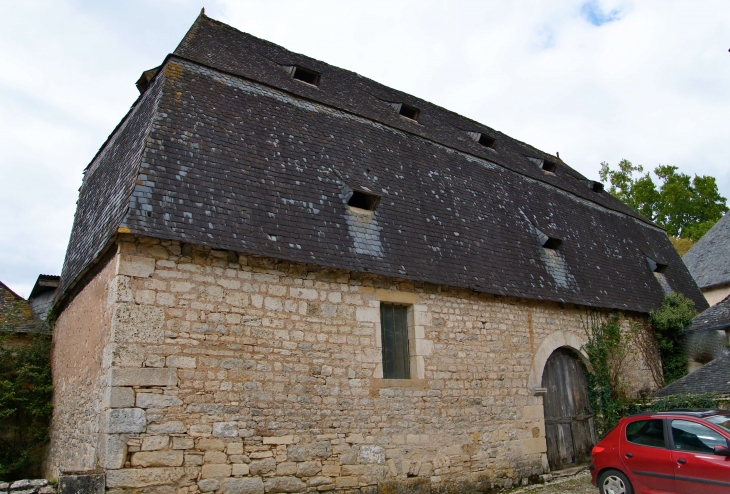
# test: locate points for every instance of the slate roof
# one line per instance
(709, 259)
(716, 317)
(713, 377)
(224, 148)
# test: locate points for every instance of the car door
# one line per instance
(696, 466)
(645, 453)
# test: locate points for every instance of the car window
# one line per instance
(721, 420)
(695, 438)
(646, 433)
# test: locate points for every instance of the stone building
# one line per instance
(284, 276)
(18, 321)
(709, 262)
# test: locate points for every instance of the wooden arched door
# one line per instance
(569, 425)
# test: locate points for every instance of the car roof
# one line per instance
(689, 412)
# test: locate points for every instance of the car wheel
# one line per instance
(614, 482)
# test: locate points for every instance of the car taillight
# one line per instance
(598, 449)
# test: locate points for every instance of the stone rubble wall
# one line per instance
(30, 486)
(238, 374)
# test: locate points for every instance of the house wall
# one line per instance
(80, 337)
(234, 372)
(716, 294)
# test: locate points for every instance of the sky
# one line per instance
(647, 81)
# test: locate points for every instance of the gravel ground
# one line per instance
(578, 484)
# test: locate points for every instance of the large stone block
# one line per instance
(138, 324)
(125, 420)
(156, 443)
(284, 484)
(253, 485)
(172, 458)
(372, 455)
(81, 484)
(112, 451)
(144, 477)
(225, 429)
(259, 467)
(173, 427)
(118, 397)
(141, 267)
(181, 362)
(156, 400)
(215, 471)
(143, 377)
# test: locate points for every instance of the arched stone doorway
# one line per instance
(569, 426)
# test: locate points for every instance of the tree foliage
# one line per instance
(25, 405)
(686, 207)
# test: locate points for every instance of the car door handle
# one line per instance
(682, 461)
(629, 455)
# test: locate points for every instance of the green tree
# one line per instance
(684, 206)
(25, 405)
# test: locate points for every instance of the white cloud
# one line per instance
(596, 80)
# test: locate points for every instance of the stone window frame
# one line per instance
(418, 346)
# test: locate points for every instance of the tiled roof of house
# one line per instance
(226, 149)
(713, 377)
(709, 260)
(16, 314)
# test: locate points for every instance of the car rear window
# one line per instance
(646, 433)
(721, 420)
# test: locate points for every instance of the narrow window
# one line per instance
(363, 200)
(306, 75)
(409, 112)
(394, 337)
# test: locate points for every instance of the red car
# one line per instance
(685, 451)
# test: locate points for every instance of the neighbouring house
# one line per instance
(706, 337)
(17, 319)
(284, 276)
(42, 295)
(709, 262)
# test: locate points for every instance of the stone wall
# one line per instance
(232, 374)
(80, 338)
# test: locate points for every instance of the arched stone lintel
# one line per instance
(558, 339)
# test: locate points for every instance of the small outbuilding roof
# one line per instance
(711, 378)
(709, 260)
(716, 318)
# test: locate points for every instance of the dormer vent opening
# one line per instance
(593, 185)
(482, 139)
(655, 266)
(363, 200)
(306, 75)
(408, 112)
(548, 166)
(547, 241)
(552, 243)
(486, 141)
